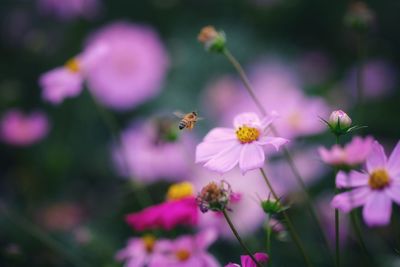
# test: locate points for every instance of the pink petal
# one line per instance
(277, 142)
(394, 161)
(247, 261)
(378, 209)
(251, 157)
(232, 265)
(353, 179)
(247, 118)
(267, 120)
(393, 191)
(209, 149)
(352, 199)
(225, 160)
(219, 134)
(205, 238)
(377, 158)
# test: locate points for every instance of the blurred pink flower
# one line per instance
(278, 88)
(187, 251)
(327, 217)
(379, 79)
(374, 189)
(354, 153)
(134, 68)
(147, 156)
(166, 215)
(67, 81)
(71, 9)
(139, 252)
(62, 216)
(17, 128)
(223, 148)
(247, 261)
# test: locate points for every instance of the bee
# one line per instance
(188, 120)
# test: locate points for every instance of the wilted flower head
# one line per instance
(354, 153)
(152, 150)
(359, 16)
(247, 261)
(212, 40)
(214, 196)
(223, 148)
(133, 69)
(71, 9)
(19, 129)
(375, 189)
(180, 208)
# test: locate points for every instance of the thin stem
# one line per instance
(358, 232)
(291, 228)
(359, 73)
(239, 238)
(286, 152)
(337, 236)
(269, 230)
(42, 236)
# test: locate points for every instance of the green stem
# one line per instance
(139, 191)
(269, 230)
(239, 238)
(337, 229)
(42, 236)
(291, 228)
(286, 152)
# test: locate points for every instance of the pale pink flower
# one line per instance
(71, 9)
(67, 81)
(187, 251)
(224, 148)
(352, 154)
(148, 157)
(133, 69)
(17, 128)
(374, 189)
(247, 261)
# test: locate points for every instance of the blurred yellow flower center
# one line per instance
(149, 241)
(180, 190)
(182, 254)
(379, 179)
(73, 65)
(247, 134)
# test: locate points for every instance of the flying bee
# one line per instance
(188, 120)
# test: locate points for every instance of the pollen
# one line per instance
(180, 190)
(72, 65)
(247, 134)
(379, 179)
(149, 241)
(182, 254)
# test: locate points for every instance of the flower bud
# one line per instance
(340, 119)
(359, 16)
(272, 207)
(214, 197)
(213, 41)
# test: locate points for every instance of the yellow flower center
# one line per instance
(180, 190)
(182, 254)
(149, 241)
(73, 65)
(379, 179)
(247, 134)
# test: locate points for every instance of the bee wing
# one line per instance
(179, 114)
(199, 118)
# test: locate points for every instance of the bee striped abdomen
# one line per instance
(182, 124)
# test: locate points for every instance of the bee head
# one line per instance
(194, 113)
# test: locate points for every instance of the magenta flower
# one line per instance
(71, 9)
(20, 129)
(246, 261)
(187, 251)
(223, 148)
(166, 215)
(67, 81)
(134, 68)
(374, 189)
(159, 158)
(354, 153)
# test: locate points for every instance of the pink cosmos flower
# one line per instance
(375, 189)
(139, 252)
(223, 148)
(248, 262)
(134, 68)
(148, 156)
(187, 251)
(354, 153)
(20, 129)
(166, 215)
(68, 10)
(67, 81)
